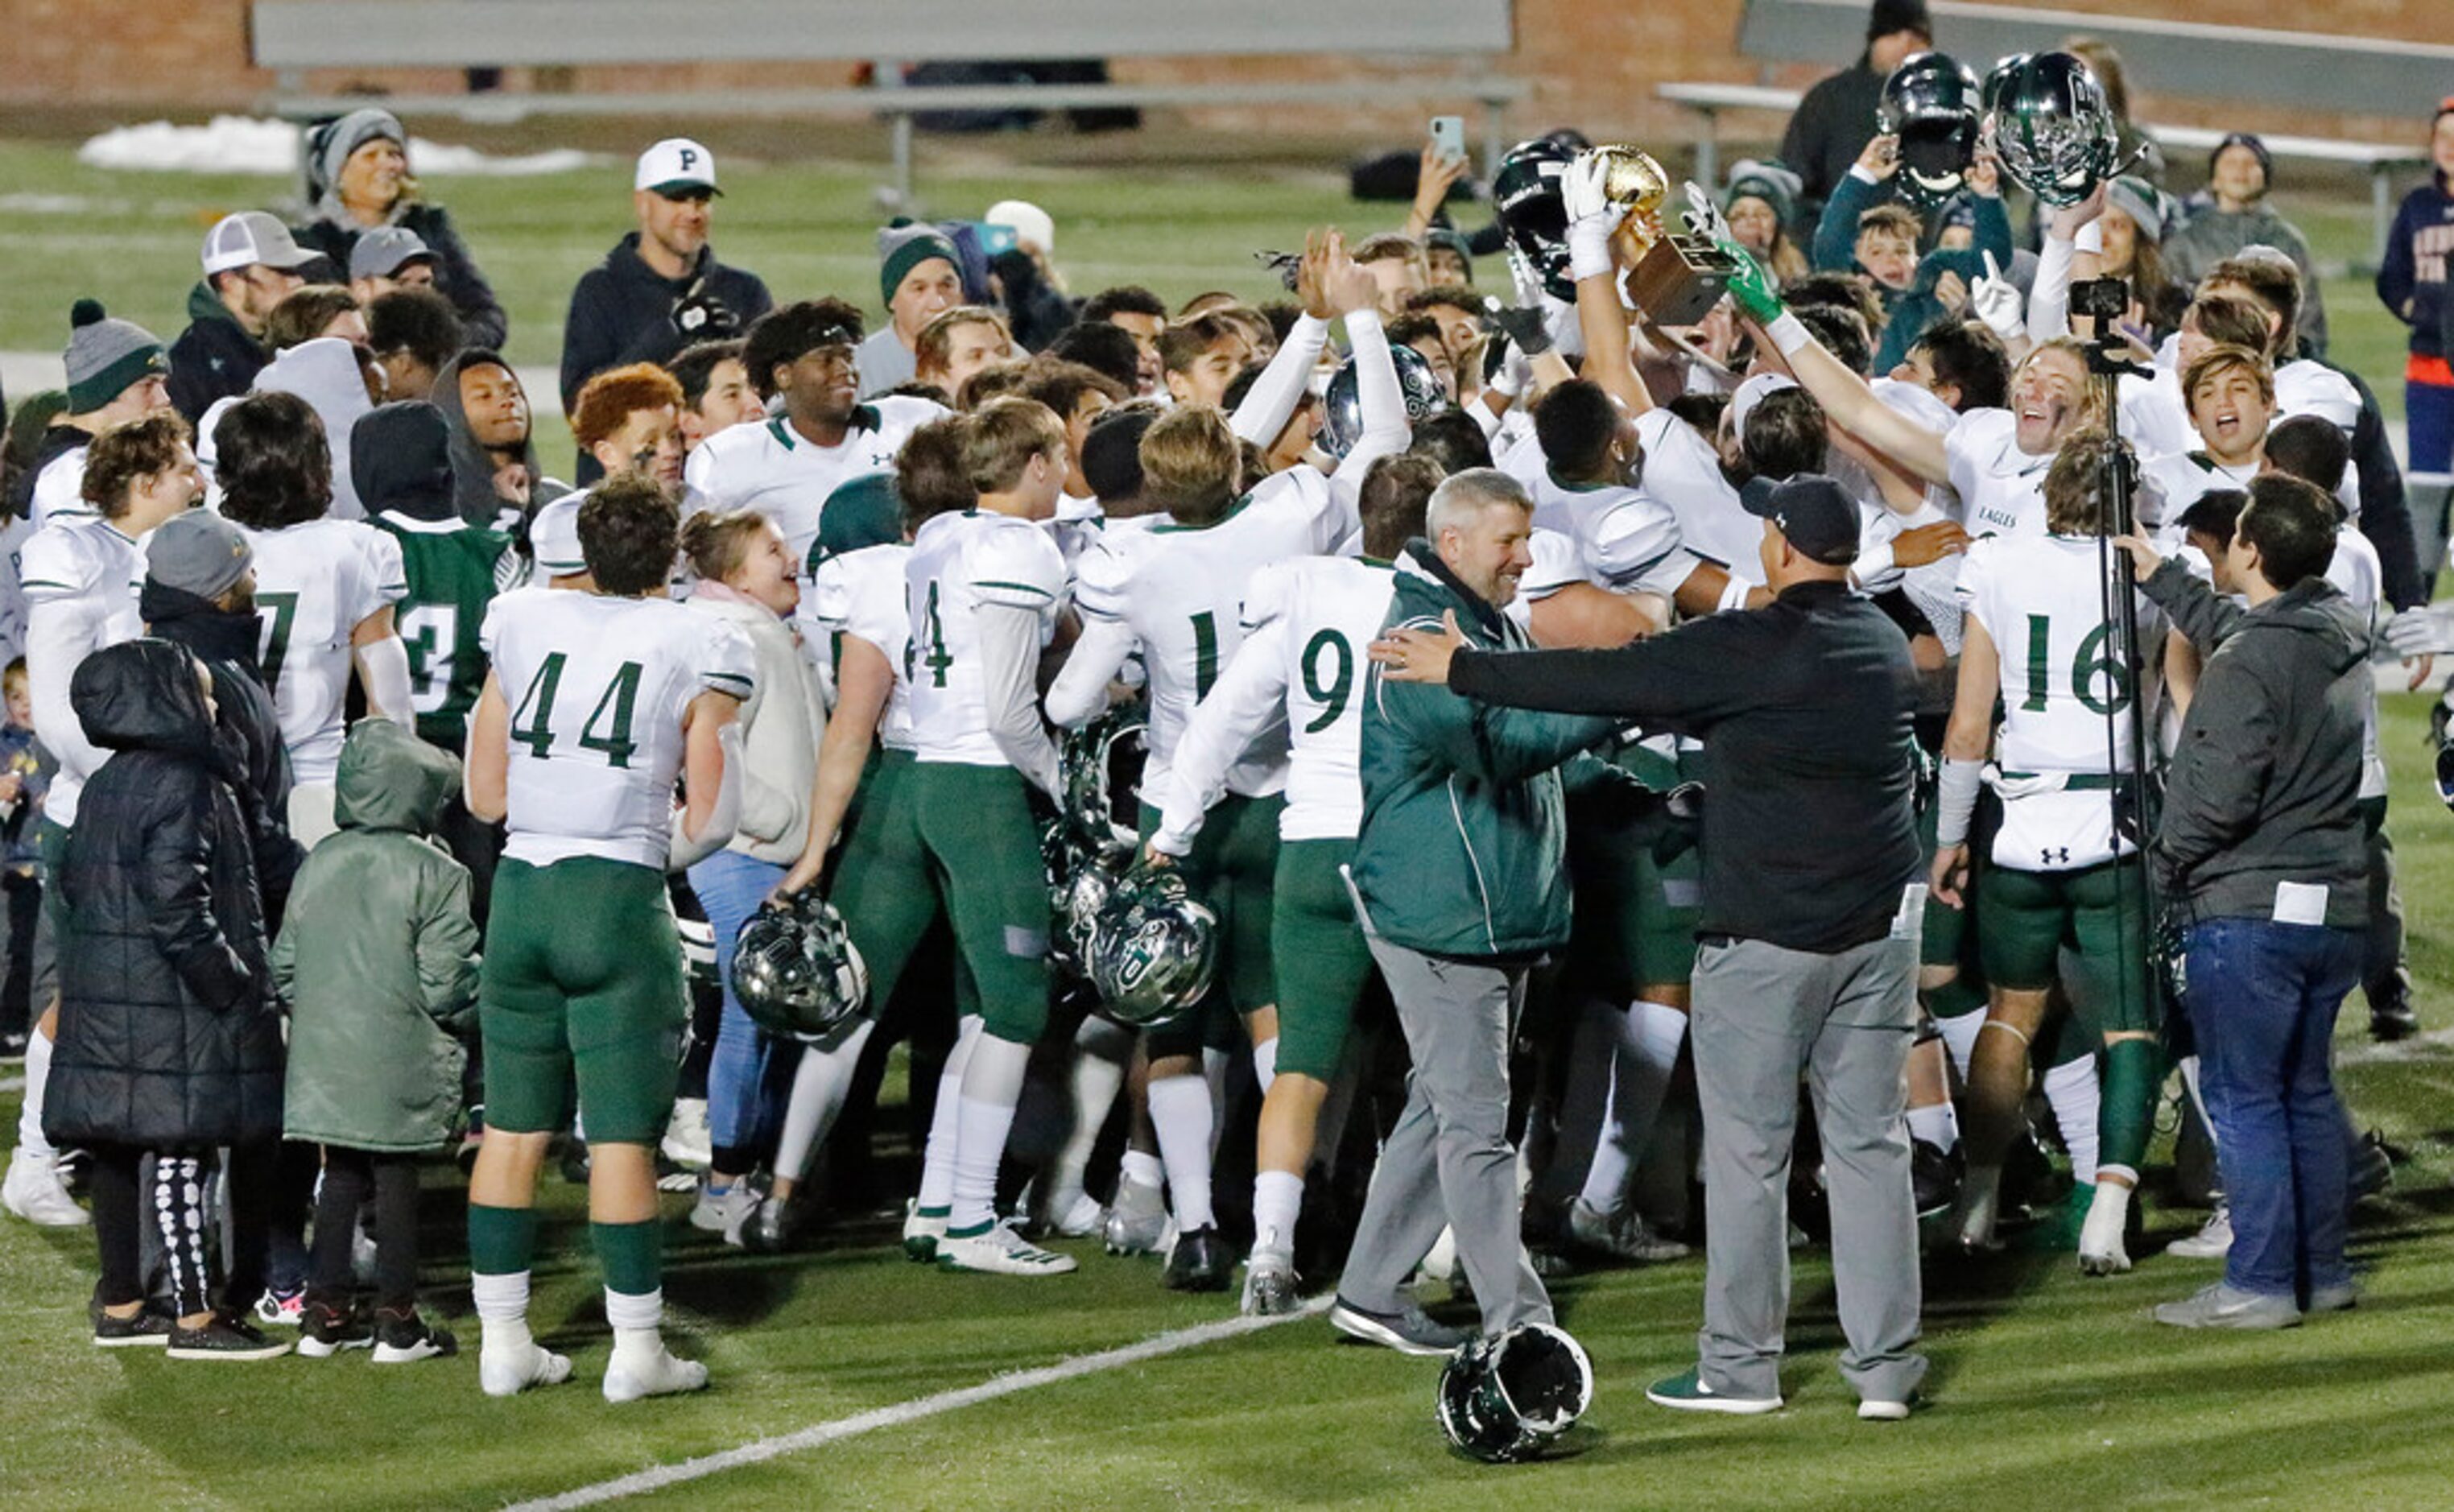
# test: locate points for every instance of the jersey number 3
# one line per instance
(613, 710)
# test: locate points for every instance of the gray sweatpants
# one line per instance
(1762, 1016)
(1448, 1162)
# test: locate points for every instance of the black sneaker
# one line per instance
(773, 1228)
(325, 1330)
(1200, 1263)
(1409, 1331)
(228, 1337)
(2391, 1019)
(401, 1337)
(146, 1329)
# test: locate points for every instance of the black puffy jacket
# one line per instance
(169, 1036)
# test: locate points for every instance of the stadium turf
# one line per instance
(2049, 1390)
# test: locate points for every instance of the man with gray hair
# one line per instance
(1458, 880)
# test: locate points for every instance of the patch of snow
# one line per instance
(240, 144)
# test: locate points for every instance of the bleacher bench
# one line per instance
(367, 37)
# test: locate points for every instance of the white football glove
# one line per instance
(1996, 300)
(1592, 217)
(2418, 633)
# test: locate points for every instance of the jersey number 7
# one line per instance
(620, 697)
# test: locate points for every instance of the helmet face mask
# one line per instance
(1525, 198)
(1341, 413)
(1151, 949)
(1931, 104)
(796, 971)
(2051, 125)
(1506, 1397)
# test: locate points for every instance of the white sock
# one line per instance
(938, 1161)
(1937, 1125)
(1960, 1037)
(820, 1084)
(990, 1088)
(1141, 1168)
(1278, 1200)
(502, 1310)
(1100, 1051)
(1649, 1036)
(1182, 1113)
(38, 1076)
(2072, 1089)
(1265, 1063)
(635, 1319)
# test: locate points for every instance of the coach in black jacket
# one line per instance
(1808, 940)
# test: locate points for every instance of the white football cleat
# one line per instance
(1079, 1219)
(507, 1372)
(686, 1140)
(999, 1252)
(628, 1378)
(33, 1191)
(2101, 1251)
(2212, 1241)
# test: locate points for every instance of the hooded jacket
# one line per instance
(472, 467)
(167, 1034)
(335, 235)
(1462, 848)
(622, 312)
(403, 460)
(378, 962)
(2265, 785)
(226, 641)
(325, 372)
(2193, 249)
(215, 358)
(2420, 242)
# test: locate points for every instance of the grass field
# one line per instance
(2050, 1391)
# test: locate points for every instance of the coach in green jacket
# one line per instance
(1460, 874)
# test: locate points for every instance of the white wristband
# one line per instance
(1589, 248)
(1734, 595)
(1956, 800)
(1872, 562)
(2091, 238)
(1788, 335)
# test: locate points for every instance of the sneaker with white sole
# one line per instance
(32, 1190)
(1879, 1409)
(146, 1329)
(2222, 1306)
(1688, 1393)
(508, 1370)
(325, 1330)
(228, 1336)
(1409, 1330)
(1272, 1288)
(281, 1309)
(2212, 1241)
(2101, 1251)
(923, 1233)
(1623, 1236)
(686, 1140)
(1000, 1251)
(630, 1377)
(405, 1338)
(723, 1212)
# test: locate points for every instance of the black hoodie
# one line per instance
(473, 466)
(622, 313)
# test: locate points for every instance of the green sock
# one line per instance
(631, 1254)
(501, 1240)
(2134, 1073)
(1954, 997)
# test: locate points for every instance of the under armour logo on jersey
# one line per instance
(2055, 855)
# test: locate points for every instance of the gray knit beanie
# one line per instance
(350, 132)
(105, 356)
(198, 553)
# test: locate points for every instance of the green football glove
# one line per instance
(1750, 285)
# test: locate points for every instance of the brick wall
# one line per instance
(1594, 62)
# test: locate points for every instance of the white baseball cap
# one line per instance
(676, 164)
(1026, 220)
(251, 238)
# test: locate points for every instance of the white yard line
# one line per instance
(9, 1084)
(818, 1435)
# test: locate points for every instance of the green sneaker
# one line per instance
(1687, 1392)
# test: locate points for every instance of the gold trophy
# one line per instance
(1675, 277)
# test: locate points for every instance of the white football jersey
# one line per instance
(59, 489)
(81, 578)
(1682, 469)
(2355, 571)
(1309, 623)
(1181, 590)
(786, 476)
(1556, 563)
(2042, 599)
(314, 581)
(2169, 485)
(2001, 488)
(596, 687)
(862, 594)
(959, 564)
(1629, 537)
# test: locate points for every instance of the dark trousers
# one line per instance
(173, 1203)
(351, 1177)
(2262, 999)
(25, 908)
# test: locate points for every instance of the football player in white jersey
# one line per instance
(324, 590)
(2038, 639)
(619, 693)
(984, 587)
(858, 615)
(81, 575)
(630, 420)
(785, 467)
(2231, 399)
(1178, 591)
(117, 373)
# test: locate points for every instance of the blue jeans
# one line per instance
(2262, 999)
(730, 887)
(2429, 418)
